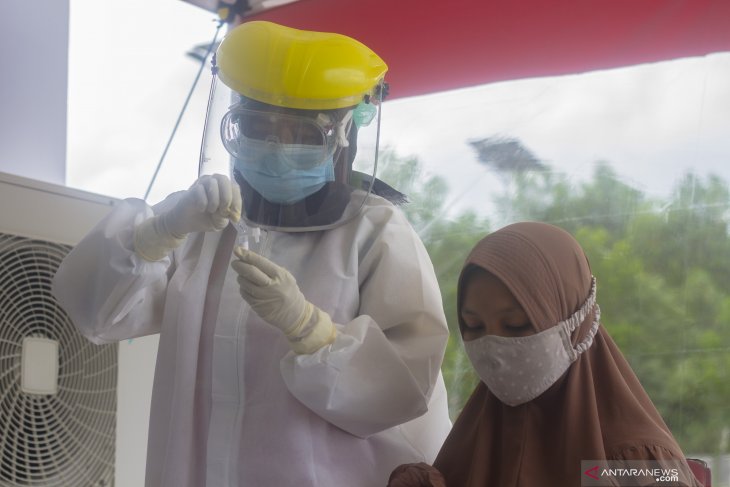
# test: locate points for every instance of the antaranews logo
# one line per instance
(596, 473)
(593, 472)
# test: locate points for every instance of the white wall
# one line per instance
(33, 88)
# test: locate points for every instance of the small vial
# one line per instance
(242, 237)
(256, 234)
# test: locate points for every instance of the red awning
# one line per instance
(433, 46)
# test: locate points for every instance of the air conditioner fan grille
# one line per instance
(66, 439)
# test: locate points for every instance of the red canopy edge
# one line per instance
(437, 46)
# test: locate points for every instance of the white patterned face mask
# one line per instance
(519, 369)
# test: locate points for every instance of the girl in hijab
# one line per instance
(555, 391)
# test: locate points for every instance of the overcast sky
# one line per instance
(129, 76)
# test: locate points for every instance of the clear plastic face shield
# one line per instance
(294, 167)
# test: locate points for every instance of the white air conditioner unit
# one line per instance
(72, 414)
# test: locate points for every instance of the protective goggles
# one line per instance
(244, 130)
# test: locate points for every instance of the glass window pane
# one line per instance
(635, 162)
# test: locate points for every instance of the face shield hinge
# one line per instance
(231, 11)
(380, 92)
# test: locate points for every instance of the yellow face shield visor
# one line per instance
(293, 68)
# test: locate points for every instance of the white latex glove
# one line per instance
(273, 293)
(209, 204)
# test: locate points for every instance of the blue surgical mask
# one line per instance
(268, 169)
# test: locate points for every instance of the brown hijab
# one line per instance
(596, 410)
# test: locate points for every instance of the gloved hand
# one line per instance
(273, 293)
(208, 205)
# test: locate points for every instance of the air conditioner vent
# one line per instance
(66, 437)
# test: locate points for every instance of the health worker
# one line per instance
(300, 320)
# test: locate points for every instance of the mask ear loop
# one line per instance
(341, 130)
(577, 318)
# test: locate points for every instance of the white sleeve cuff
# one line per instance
(315, 334)
(151, 243)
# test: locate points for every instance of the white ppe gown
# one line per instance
(232, 405)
